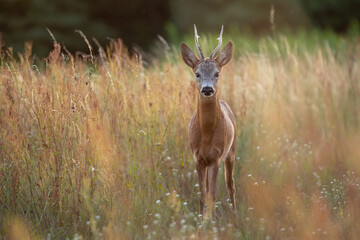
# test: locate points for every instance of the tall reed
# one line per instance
(97, 147)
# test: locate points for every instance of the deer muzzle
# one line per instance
(207, 91)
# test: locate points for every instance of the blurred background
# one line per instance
(139, 22)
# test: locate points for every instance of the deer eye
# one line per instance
(216, 75)
(197, 75)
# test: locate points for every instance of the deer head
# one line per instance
(207, 70)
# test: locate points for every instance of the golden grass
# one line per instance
(98, 148)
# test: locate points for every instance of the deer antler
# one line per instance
(197, 44)
(219, 44)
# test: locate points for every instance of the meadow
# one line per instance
(95, 146)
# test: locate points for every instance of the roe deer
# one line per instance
(212, 129)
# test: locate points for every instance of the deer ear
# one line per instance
(188, 56)
(225, 55)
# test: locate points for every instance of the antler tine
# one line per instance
(201, 55)
(219, 44)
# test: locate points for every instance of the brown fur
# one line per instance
(212, 129)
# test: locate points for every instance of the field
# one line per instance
(95, 146)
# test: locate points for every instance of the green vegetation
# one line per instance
(139, 22)
(97, 148)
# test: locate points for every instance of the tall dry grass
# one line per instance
(97, 147)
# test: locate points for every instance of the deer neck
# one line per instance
(209, 114)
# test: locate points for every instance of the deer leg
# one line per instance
(207, 181)
(212, 176)
(229, 179)
(201, 171)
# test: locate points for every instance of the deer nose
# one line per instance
(207, 91)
